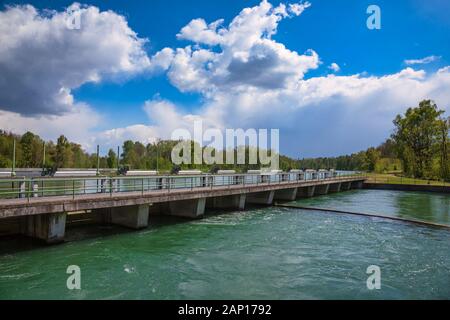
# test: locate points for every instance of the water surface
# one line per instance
(431, 207)
(266, 253)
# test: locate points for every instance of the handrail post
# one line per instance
(73, 189)
(28, 190)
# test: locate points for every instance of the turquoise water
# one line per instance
(266, 253)
(409, 205)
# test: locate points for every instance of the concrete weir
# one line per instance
(194, 208)
(321, 189)
(227, 202)
(335, 187)
(286, 194)
(265, 198)
(134, 217)
(306, 192)
(49, 227)
(45, 217)
(345, 186)
(357, 184)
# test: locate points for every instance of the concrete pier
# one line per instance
(306, 192)
(321, 189)
(50, 227)
(194, 208)
(227, 202)
(134, 217)
(265, 198)
(286, 194)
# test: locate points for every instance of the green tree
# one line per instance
(111, 159)
(371, 158)
(415, 135)
(63, 154)
(26, 143)
(444, 148)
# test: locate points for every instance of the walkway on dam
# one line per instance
(108, 198)
(41, 210)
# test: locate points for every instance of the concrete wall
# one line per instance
(334, 187)
(227, 202)
(346, 186)
(187, 208)
(321, 189)
(306, 192)
(49, 227)
(134, 217)
(265, 198)
(286, 194)
(10, 226)
(357, 185)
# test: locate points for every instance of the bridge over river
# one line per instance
(41, 207)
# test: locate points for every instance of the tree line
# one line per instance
(419, 147)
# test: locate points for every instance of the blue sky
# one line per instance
(369, 84)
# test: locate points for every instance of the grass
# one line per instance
(390, 178)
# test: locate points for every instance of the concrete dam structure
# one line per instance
(42, 207)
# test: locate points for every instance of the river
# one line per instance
(260, 253)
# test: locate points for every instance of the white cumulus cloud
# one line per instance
(425, 60)
(247, 54)
(42, 59)
(334, 67)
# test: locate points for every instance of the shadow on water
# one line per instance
(19, 243)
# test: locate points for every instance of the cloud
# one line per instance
(321, 116)
(198, 31)
(77, 125)
(115, 137)
(251, 81)
(298, 8)
(425, 60)
(334, 67)
(42, 59)
(246, 56)
(246, 80)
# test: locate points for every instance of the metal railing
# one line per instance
(29, 188)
